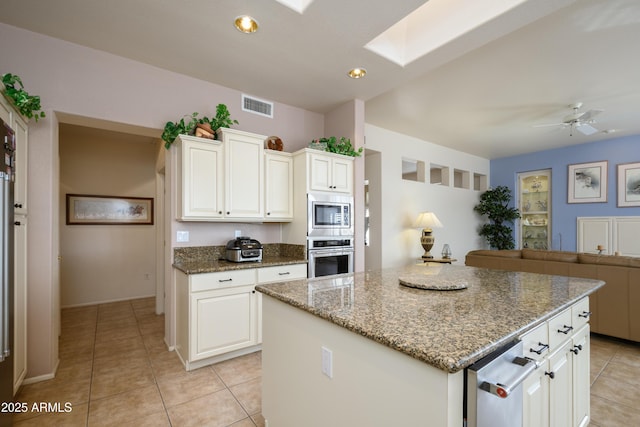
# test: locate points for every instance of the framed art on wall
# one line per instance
(628, 185)
(109, 210)
(588, 182)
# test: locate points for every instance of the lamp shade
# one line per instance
(428, 220)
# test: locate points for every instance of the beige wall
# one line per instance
(93, 88)
(102, 263)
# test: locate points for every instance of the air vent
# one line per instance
(257, 106)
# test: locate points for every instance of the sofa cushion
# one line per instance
(506, 253)
(545, 255)
(620, 261)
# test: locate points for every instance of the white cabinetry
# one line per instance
(19, 125)
(201, 178)
(244, 176)
(278, 186)
(226, 180)
(219, 315)
(557, 394)
(330, 172)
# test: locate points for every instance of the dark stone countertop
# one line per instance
(448, 329)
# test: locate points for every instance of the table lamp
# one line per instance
(427, 221)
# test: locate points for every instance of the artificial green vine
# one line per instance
(27, 105)
(342, 146)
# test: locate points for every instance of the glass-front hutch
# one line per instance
(534, 202)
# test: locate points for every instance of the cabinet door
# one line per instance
(534, 203)
(342, 175)
(244, 194)
(320, 174)
(20, 189)
(223, 321)
(20, 301)
(581, 377)
(278, 187)
(202, 179)
(561, 387)
(536, 398)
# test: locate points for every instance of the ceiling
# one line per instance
(484, 92)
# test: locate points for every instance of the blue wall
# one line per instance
(563, 215)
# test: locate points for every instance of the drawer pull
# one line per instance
(550, 374)
(576, 349)
(539, 351)
(566, 329)
(585, 314)
(225, 280)
(284, 273)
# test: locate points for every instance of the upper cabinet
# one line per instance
(534, 203)
(330, 172)
(278, 186)
(226, 180)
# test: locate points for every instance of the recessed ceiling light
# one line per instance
(246, 24)
(357, 73)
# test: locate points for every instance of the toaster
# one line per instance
(243, 249)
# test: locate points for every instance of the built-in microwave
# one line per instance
(329, 215)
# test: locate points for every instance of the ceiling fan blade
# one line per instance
(550, 124)
(588, 115)
(585, 128)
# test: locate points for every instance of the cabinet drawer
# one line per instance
(223, 279)
(536, 342)
(580, 313)
(560, 329)
(282, 273)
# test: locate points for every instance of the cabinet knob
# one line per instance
(17, 223)
(268, 213)
(253, 292)
(576, 349)
(18, 205)
(228, 212)
(219, 212)
(550, 375)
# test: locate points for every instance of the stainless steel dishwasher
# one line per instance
(494, 394)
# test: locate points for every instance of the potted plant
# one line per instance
(495, 204)
(27, 105)
(333, 145)
(222, 119)
(202, 126)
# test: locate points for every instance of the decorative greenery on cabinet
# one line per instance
(188, 123)
(27, 105)
(342, 146)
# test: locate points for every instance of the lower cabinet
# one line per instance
(557, 394)
(219, 315)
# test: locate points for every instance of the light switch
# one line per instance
(182, 236)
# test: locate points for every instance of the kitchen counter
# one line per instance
(446, 329)
(210, 259)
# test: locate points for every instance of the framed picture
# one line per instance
(106, 210)
(628, 185)
(588, 182)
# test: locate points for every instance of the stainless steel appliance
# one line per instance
(6, 269)
(243, 249)
(494, 393)
(329, 256)
(329, 215)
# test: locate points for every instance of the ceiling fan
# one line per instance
(580, 121)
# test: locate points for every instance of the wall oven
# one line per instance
(329, 215)
(330, 256)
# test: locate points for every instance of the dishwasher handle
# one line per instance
(504, 390)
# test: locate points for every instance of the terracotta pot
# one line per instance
(203, 130)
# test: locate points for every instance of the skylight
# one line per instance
(297, 5)
(434, 24)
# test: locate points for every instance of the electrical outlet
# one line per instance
(327, 362)
(238, 233)
(182, 236)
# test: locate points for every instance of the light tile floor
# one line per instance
(115, 370)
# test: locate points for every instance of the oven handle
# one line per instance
(504, 390)
(325, 252)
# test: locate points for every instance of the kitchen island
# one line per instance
(361, 349)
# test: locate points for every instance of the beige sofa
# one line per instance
(615, 306)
